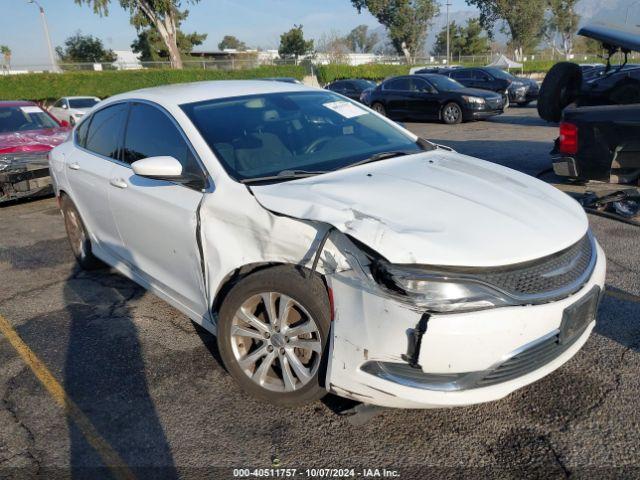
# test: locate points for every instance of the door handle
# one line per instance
(73, 166)
(118, 183)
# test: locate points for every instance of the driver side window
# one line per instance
(150, 133)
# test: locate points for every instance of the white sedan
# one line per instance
(328, 248)
(72, 109)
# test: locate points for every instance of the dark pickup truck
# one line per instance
(599, 143)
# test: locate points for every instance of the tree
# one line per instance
(560, 28)
(456, 40)
(463, 40)
(406, 21)
(524, 20)
(360, 40)
(293, 43)
(6, 54)
(231, 42)
(80, 48)
(163, 15)
(152, 47)
(334, 47)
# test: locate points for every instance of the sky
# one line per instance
(258, 23)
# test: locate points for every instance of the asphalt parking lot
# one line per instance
(133, 380)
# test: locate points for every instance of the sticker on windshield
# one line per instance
(30, 109)
(346, 109)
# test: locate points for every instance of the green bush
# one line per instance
(374, 71)
(49, 86)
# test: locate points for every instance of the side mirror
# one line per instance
(64, 123)
(162, 168)
(64, 105)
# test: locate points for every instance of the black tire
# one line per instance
(311, 295)
(451, 113)
(378, 107)
(561, 86)
(78, 235)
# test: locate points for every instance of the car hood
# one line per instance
(623, 36)
(436, 208)
(32, 140)
(477, 92)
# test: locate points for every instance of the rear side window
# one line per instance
(105, 131)
(81, 132)
(461, 75)
(150, 133)
(401, 84)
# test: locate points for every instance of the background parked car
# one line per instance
(351, 88)
(72, 109)
(433, 97)
(568, 82)
(27, 134)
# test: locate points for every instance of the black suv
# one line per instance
(567, 82)
(514, 90)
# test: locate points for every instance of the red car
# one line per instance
(27, 133)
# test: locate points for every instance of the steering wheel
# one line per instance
(316, 143)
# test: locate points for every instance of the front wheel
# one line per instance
(452, 113)
(379, 108)
(272, 335)
(78, 235)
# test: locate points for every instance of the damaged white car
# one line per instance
(328, 248)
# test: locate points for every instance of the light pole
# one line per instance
(448, 57)
(45, 27)
(626, 17)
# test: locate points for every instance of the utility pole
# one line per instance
(626, 17)
(448, 55)
(45, 27)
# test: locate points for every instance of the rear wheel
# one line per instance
(78, 235)
(272, 335)
(451, 113)
(378, 107)
(560, 87)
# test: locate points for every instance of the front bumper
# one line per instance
(480, 114)
(24, 175)
(371, 327)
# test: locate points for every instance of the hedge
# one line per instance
(48, 86)
(374, 71)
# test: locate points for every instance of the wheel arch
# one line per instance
(244, 271)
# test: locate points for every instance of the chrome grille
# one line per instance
(525, 362)
(547, 274)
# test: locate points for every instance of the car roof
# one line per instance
(78, 97)
(16, 103)
(623, 36)
(183, 93)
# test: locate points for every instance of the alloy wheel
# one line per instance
(75, 231)
(276, 342)
(451, 114)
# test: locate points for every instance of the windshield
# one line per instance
(21, 119)
(444, 84)
(82, 102)
(263, 135)
(364, 84)
(496, 72)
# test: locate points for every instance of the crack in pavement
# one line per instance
(11, 408)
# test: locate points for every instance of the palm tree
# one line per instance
(6, 53)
